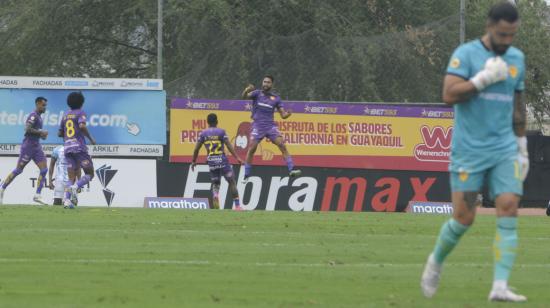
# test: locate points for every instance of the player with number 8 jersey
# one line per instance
(73, 130)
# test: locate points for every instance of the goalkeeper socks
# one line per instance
(289, 163)
(41, 180)
(83, 181)
(450, 233)
(505, 247)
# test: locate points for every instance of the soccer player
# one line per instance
(214, 140)
(58, 163)
(264, 104)
(31, 149)
(73, 129)
(484, 83)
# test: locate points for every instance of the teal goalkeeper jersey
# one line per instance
(483, 124)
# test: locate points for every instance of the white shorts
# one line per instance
(59, 190)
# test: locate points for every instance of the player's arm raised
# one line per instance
(198, 146)
(247, 92)
(231, 150)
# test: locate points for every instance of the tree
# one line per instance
(354, 50)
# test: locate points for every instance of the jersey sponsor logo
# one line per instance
(513, 70)
(499, 97)
(463, 175)
(455, 63)
(436, 144)
(265, 105)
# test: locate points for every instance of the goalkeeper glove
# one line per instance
(523, 157)
(495, 70)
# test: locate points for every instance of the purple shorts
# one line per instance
(270, 132)
(79, 160)
(31, 151)
(217, 171)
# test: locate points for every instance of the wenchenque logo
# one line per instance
(105, 175)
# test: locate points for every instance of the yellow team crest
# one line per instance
(455, 63)
(513, 70)
(463, 176)
(272, 98)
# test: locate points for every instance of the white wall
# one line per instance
(134, 180)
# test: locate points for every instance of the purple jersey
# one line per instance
(263, 107)
(72, 134)
(35, 121)
(213, 139)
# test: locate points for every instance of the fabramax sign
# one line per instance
(116, 182)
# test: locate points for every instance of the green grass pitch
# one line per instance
(100, 257)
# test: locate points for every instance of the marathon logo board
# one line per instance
(176, 203)
(318, 189)
(113, 117)
(335, 135)
(424, 207)
(116, 183)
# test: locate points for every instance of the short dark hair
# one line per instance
(212, 119)
(75, 100)
(270, 77)
(503, 10)
(40, 98)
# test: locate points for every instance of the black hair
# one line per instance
(40, 98)
(270, 77)
(75, 100)
(503, 10)
(212, 119)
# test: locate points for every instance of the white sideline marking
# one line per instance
(226, 232)
(259, 264)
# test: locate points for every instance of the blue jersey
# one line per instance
(483, 124)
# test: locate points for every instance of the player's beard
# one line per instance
(266, 88)
(498, 49)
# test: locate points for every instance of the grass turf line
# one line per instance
(91, 257)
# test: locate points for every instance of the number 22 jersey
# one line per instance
(213, 139)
